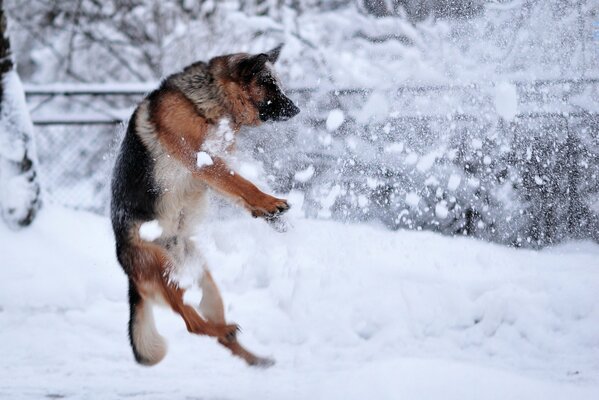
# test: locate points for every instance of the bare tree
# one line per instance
(19, 187)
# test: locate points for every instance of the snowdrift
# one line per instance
(348, 311)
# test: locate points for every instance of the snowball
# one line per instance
(335, 119)
(305, 174)
(506, 100)
(441, 210)
(150, 230)
(454, 182)
(372, 183)
(394, 148)
(203, 159)
(412, 199)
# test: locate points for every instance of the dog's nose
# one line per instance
(291, 110)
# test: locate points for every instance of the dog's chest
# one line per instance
(182, 196)
(219, 140)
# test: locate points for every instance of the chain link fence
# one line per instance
(444, 158)
(76, 163)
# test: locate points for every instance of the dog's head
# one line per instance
(256, 85)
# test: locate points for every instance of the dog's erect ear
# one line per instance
(248, 67)
(273, 55)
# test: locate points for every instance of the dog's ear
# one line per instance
(273, 55)
(250, 66)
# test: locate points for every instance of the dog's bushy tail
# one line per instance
(149, 347)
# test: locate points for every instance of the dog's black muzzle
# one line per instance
(288, 111)
(280, 110)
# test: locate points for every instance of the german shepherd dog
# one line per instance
(174, 149)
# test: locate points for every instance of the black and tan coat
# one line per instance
(157, 176)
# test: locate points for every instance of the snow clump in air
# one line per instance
(412, 199)
(441, 210)
(150, 230)
(506, 100)
(454, 182)
(304, 175)
(203, 159)
(335, 120)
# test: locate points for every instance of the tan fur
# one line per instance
(239, 100)
(151, 276)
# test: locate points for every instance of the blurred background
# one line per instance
(465, 117)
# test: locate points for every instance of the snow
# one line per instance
(441, 209)
(348, 311)
(334, 119)
(538, 180)
(454, 182)
(203, 159)
(412, 199)
(426, 161)
(219, 140)
(304, 175)
(375, 109)
(394, 148)
(248, 170)
(15, 120)
(150, 230)
(95, 88)
(412, 158)
(506, 100)
(19, 189)
(328, 201)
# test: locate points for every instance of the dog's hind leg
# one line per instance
(194, 322)
(149, 281)
(211, 307)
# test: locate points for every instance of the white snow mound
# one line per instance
(348, 311)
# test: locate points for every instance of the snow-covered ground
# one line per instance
(348, 311)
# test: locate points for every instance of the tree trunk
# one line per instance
(19, 187)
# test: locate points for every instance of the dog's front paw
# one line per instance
(268, 207)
